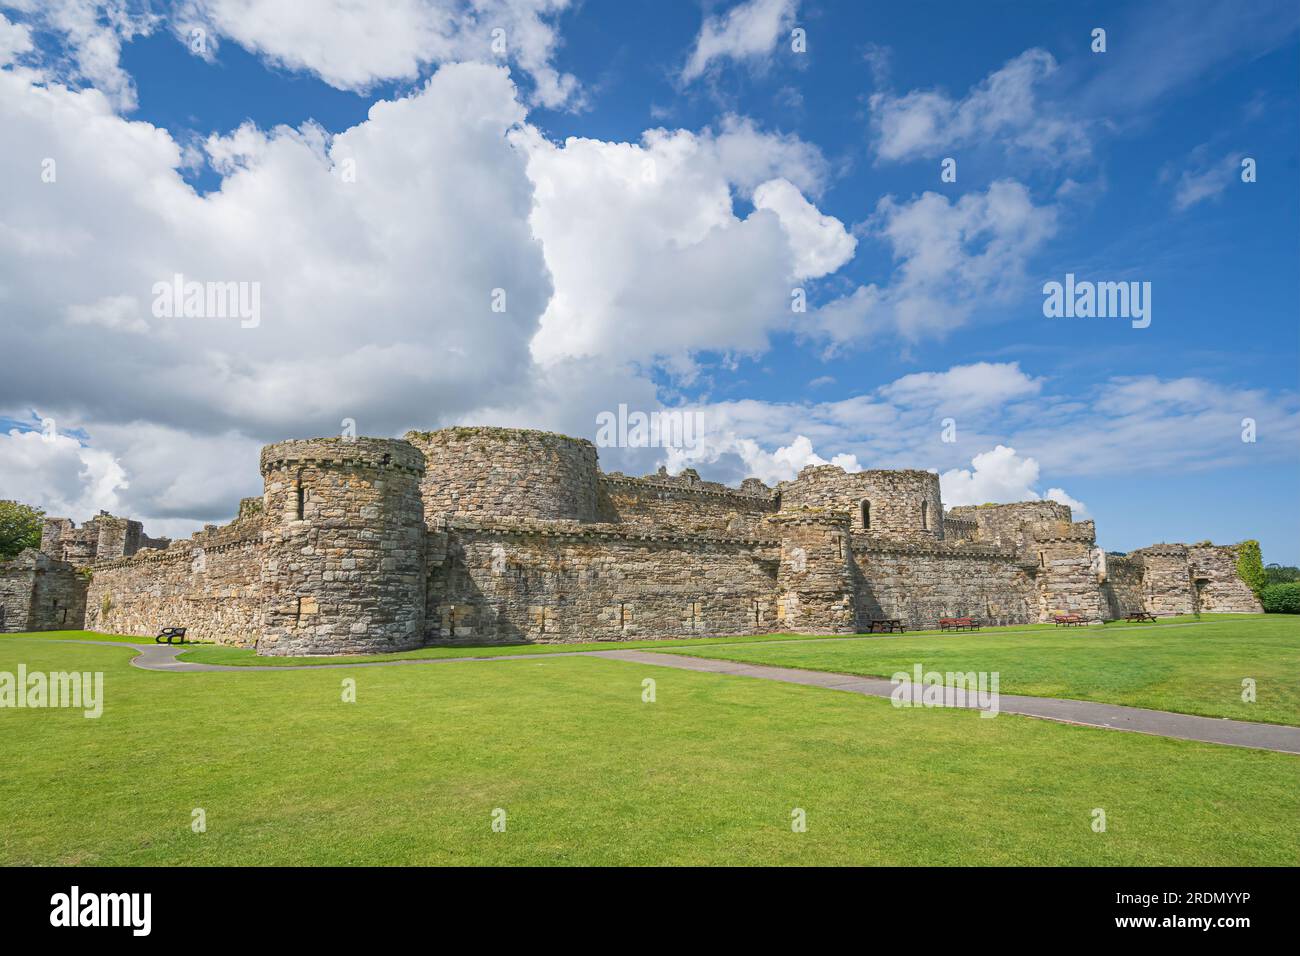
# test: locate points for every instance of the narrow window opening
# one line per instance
(302, 500)
(925, 516)
(866, 515)
(1041, 562)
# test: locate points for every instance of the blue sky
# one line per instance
(773, 170)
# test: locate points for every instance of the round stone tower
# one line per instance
(343, 566)
(507, 472)
(815, 575)
(901, 504)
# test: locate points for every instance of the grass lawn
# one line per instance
(1196, 669)
(77, 636)
(588, 773)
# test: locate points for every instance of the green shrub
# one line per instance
(1281, 598)
(1250, 565)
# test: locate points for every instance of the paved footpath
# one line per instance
(1159, 723)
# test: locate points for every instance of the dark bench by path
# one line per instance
(1068, 620)
(882, 625)
(958, 624)
(170, 635)
(1140, 616)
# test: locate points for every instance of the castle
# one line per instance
(474, 535)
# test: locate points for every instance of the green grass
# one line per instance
(1196, 669)
(243, 656)
(78, 636)
(589, 774)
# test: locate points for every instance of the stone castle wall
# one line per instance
(471, 535)
(209, 584)
(684, 502)
(39, 593)
(921, 583)
(520, 580)
(1219, 589)
(1123, 588)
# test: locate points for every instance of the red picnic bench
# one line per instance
(958, 624)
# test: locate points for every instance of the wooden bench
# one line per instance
(1140, 616)
(883, 625)
(170, 635)
(1068, 620)
(958, 624)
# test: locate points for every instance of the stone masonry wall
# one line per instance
(507, 472)
(815, 575)
(513, 580)
(343, 562)
(921, 583)
(1122, 589)
(209, 584)
(900, 504)
(687, 505)
(1218, 587)
(17, 582)
(1167, 580)
(39, 593)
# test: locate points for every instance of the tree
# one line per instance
(20, 527)
(1281, 573)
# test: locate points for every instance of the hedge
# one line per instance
(1281, 598)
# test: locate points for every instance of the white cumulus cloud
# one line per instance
(748, 31)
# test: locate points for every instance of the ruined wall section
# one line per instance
(507, 472)
(1167, 579)
(549, 582)
(38, 593)
(343, 563)
(102, 538)
(1122, 589)
(209, 583)
(899, 504)
(1219, 589)
(1009, 524)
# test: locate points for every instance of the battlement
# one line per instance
(380, 454)
(104, 537)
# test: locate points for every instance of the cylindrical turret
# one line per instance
(507, 472)
(343, 547)
(903, 504)
(815, 576)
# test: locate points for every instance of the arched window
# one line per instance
(925, 516)
(866, 515)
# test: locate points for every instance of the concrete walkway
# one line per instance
(1159, 723)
